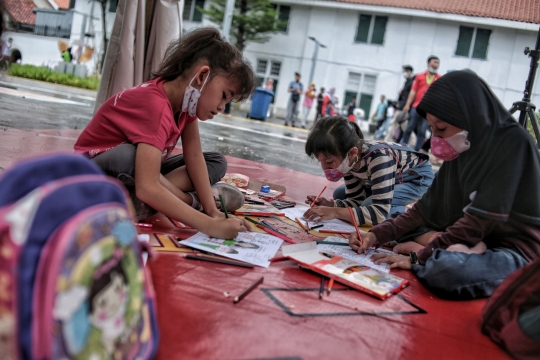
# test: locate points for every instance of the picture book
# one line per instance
(251, 247)
(347, 253)
(259, 210)
(336, 225)
(348, 272)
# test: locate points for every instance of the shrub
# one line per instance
(43, 73)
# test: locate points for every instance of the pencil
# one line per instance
(307, 227)
(317, 226)
(218, 260)
(334, 232)
(223, 206)
(360, 238)
(330, 284)
(331, 243)
(264, 223)
(143, 225)
(321, 289)
(301, 225)
(317, 197)
(276, 234)
(250, 288)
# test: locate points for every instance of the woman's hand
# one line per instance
(320, 213)
(320, 201)
(369, 239)
(395, 261)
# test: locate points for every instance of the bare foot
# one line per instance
(407, 247)
(479, 248)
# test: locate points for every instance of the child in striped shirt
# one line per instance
(380, 178)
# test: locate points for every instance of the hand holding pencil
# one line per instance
(369, 239)
(318, 201)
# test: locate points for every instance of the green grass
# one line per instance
(45, 74)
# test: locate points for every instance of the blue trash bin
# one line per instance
(259, 103)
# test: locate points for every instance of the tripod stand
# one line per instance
(525, 106)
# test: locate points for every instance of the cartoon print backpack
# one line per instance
(511, 317)
(72, 282)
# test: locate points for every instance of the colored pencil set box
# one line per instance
(355, 275)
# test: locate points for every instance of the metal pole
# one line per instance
(314, 61)
(227, 19)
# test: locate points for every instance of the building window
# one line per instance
(113, 4)
(284, 12)
(371, 29)
(265, 72)
(191, 11)
(473, 42)
(361, 87)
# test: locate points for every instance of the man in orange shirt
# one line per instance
(419, 87)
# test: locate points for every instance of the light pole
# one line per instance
(314, 59)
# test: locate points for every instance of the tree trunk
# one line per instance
(241, 38)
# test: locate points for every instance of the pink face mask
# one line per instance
(449, 148)
(336, 174)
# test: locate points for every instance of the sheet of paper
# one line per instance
(348, 253)
(334, 224)
(252, 247)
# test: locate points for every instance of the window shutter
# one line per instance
(379, 29)
(481, 44)
(363, 28)
(464, 40)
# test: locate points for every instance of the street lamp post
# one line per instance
(314, 58)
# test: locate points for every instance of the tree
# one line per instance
(253, 20)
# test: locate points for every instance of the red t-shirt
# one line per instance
(420, 85)
(142, 114)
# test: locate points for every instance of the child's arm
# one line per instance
(156, 191)
(196, 168)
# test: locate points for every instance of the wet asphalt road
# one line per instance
(26, 104)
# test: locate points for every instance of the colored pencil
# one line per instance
(331, 243)
(317, 197)
(334, 232)
(276, 234)
(278, 258)
(223, 206)
(321, 289)
(330, 284)
(143, 225)
(360, 238)
(264, 223)
(218, 260)
(301, 225)
(316, 226)
(250, 288)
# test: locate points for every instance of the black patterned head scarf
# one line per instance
(499, 176)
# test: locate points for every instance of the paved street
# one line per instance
(27, 104)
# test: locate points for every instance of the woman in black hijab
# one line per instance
(480, 219)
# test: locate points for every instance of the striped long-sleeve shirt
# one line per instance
(376, 177)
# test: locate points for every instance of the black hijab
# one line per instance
(502, 165)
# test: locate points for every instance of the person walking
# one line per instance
(296, 89)
(320, 101)
(5, 55)
(308, 103)
(380, 113)
(419, 87)
(400, 121)
(350, 109)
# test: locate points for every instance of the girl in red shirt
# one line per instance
(133, 134)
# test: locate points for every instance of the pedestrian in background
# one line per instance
(296, 89)
(320, 101)
(308, 103)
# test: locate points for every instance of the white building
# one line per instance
(368, 41)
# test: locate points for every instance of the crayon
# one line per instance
(250, 288)
(317, 197)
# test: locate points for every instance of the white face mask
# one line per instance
(344, 167)
(191, 97)
(432, 70)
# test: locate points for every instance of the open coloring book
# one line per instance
(351, 273)
(333, 225)
(251, 247)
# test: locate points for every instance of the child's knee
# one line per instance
(217, 166)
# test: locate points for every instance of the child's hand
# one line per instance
(395, 261)
(368, 238)
(320, 213)
(227, 228)
(320, 201)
